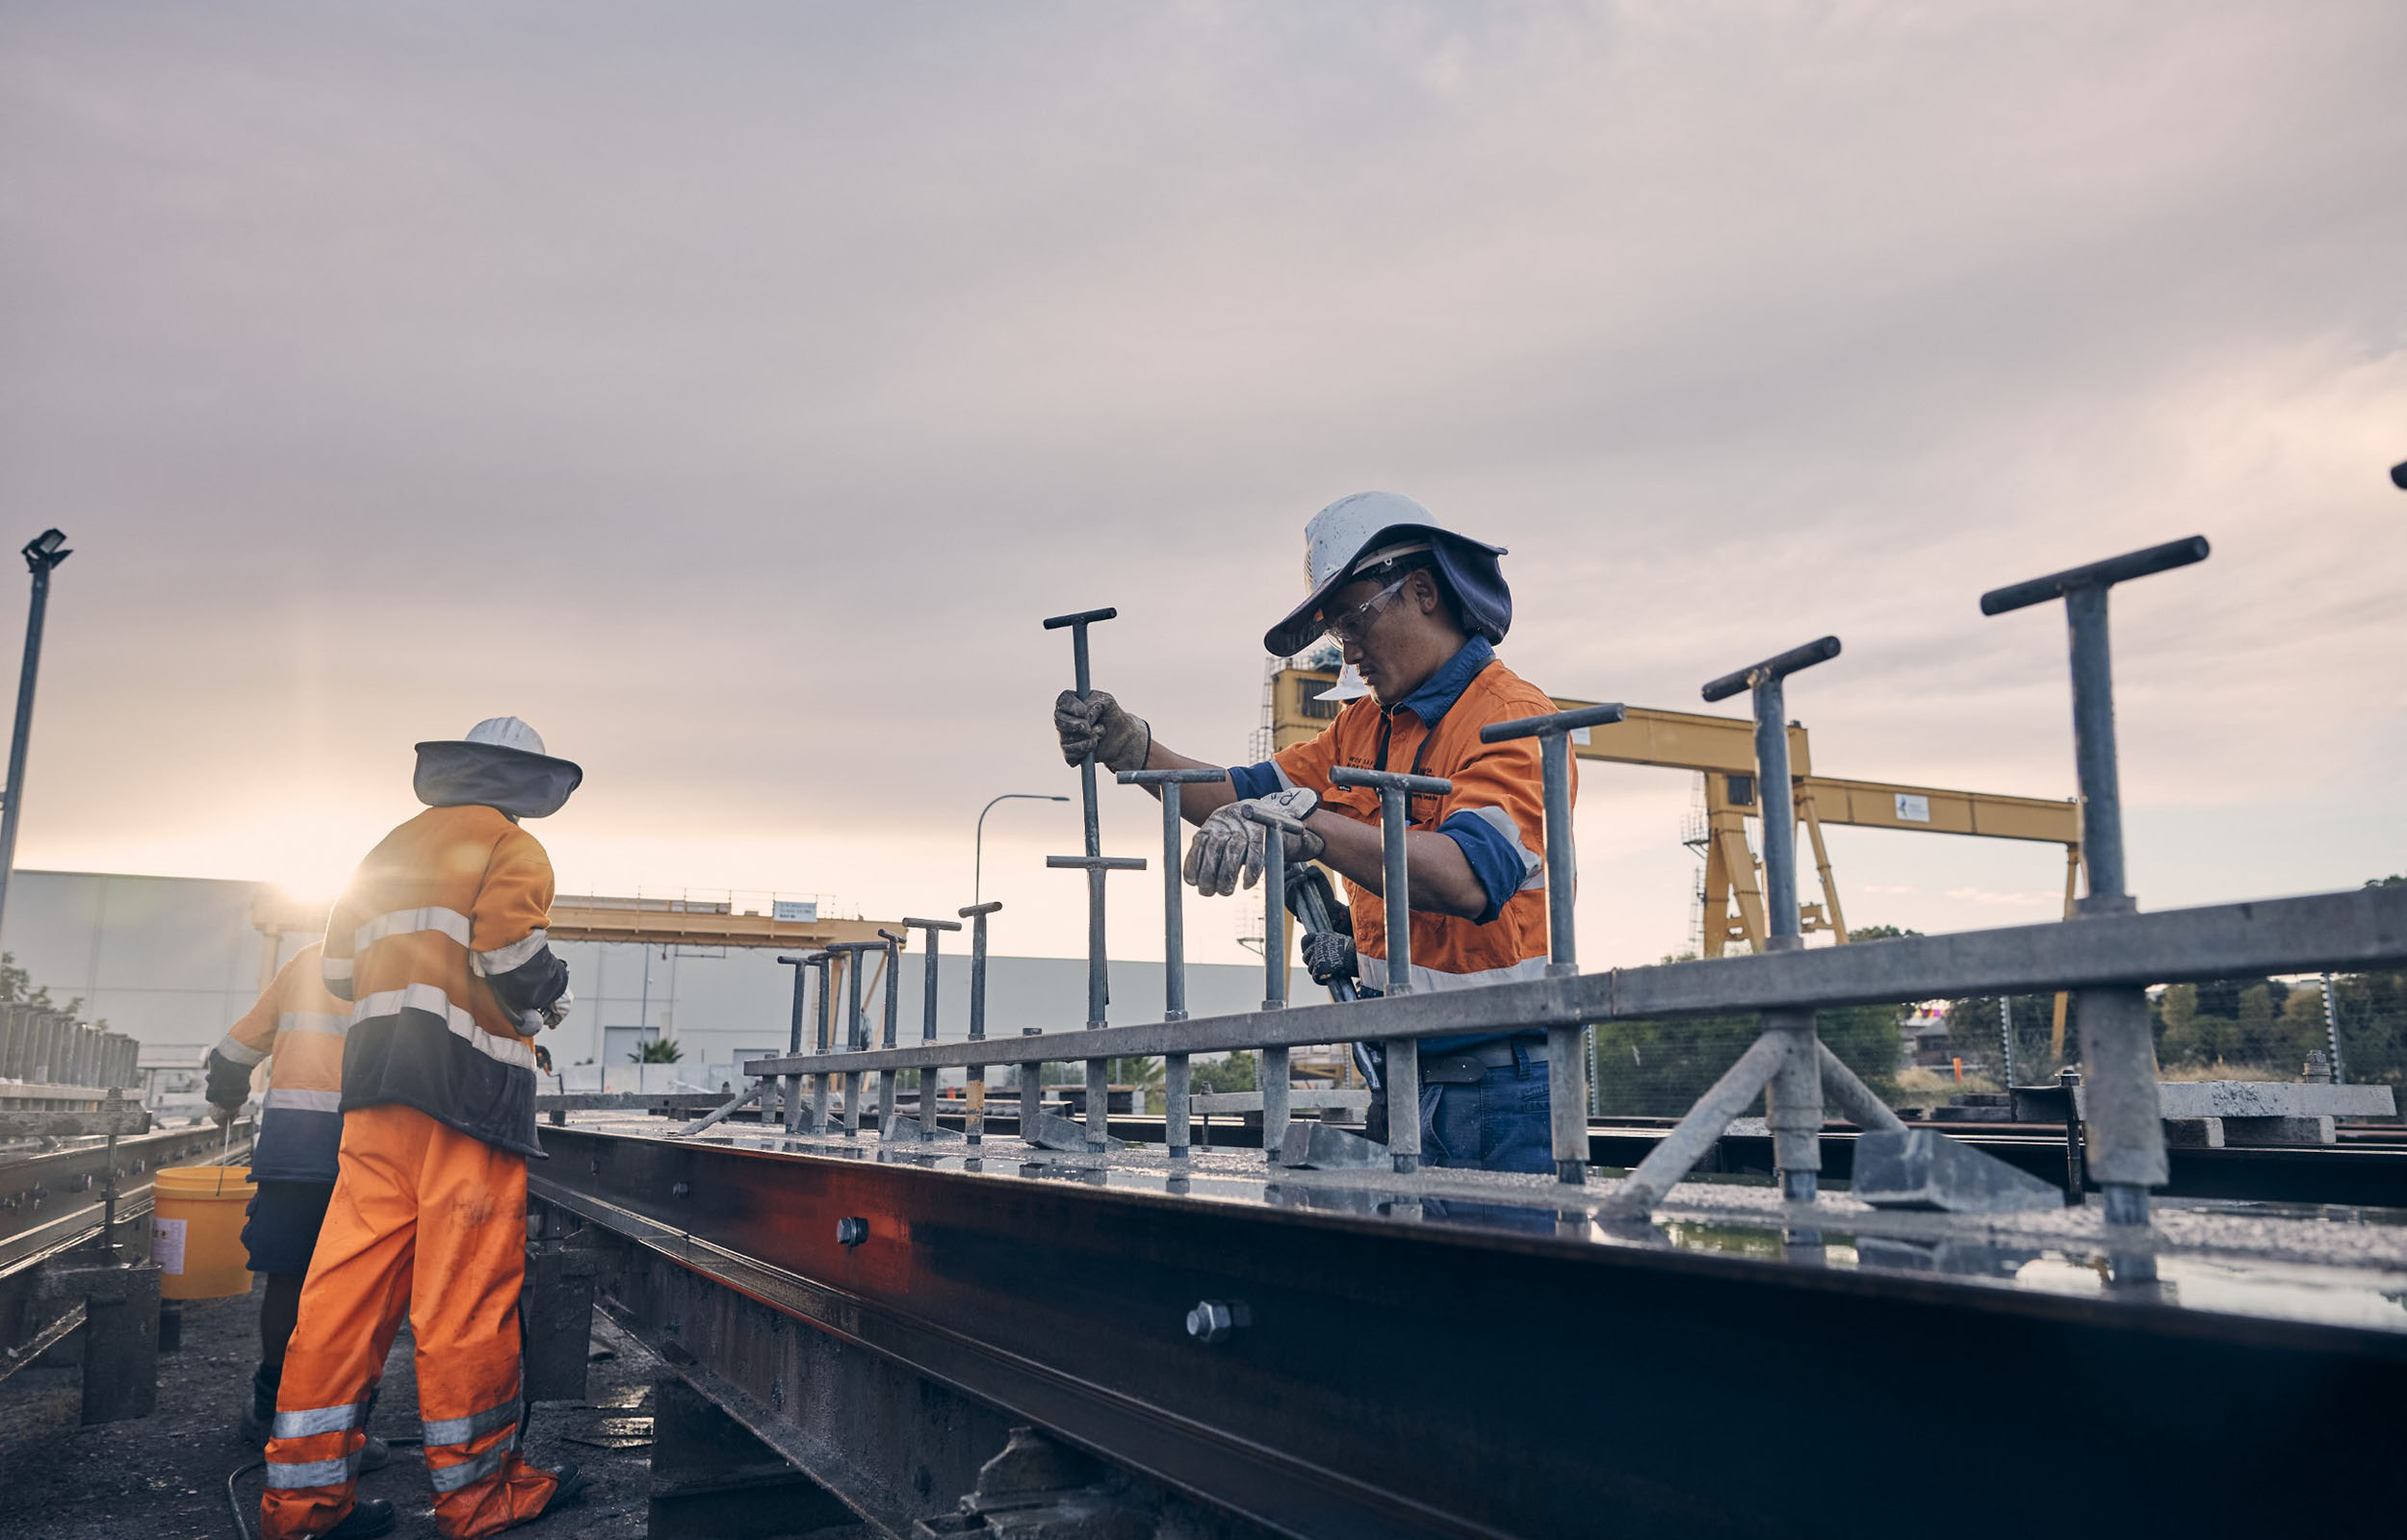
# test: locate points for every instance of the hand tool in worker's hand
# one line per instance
(1097, 965)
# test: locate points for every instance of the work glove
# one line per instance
(550, 1016)
(1094, 724)
(1231, 846)
(222, 1115)
(1328, 956)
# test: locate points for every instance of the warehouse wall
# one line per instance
(173, 960)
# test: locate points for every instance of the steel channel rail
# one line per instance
(2352, 931)
(1437, 1378)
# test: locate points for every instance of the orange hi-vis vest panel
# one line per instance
(1497, 782)
(297, 1028)
(448, 910)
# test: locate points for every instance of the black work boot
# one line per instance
(375, 1455)
(369, 1516)
(259, 1417)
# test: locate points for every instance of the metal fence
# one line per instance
(40, 1047)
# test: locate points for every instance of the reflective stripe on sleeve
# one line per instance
(1373, 972)
(431, 999)
(503, 959)
(1532, 865)
(468, 1472)
(316, 1419)
(308, 1101)
(235, 1053)
(447, 1431)
(404, 921)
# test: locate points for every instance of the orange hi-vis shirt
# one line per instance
(297, 1028)
(440, 945)
(1496, 812)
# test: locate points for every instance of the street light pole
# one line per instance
(42, 552)
(977, 873)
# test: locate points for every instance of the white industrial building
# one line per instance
(173, 961)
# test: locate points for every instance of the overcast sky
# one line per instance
(729, 390)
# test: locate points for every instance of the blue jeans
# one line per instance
(1498, 1125)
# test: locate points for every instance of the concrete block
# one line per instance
(2280, 1130)
(2265, 1098)
(1327, 1147)
(2194, 1132)
(906, 1131)
(1061, 1134)
(1920, 1169)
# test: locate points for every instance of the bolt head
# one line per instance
(851, 1231)
(1214, 1320)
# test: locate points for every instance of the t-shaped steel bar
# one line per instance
(927, 1019)
(1792, 1100)
(1098, 990)
(792, 1083)
(895, 941)
(1276, 1078)
(1785, 1063)
(856, 1026)
(1176, 1068)
(823, 963)
(1404, 1056)
(973, 1119)
(1566, 1047)
(2126, 1128)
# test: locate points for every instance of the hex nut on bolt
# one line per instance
(1214, 1320)
(851, 1231)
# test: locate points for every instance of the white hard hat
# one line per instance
(1349, 686)
(1339, 533)
(505, 732)
(1359, 532)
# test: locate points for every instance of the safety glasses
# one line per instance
(1350, 625)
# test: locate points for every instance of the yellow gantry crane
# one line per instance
(1722, 749)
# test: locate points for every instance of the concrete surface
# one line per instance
(162, 1477)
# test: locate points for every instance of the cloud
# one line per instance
(730, 392)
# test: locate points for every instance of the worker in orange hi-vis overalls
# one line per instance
(439, 944)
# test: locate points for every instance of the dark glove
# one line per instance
(1375, 1116)
(1328, 956)
(1094, 724)
(229, 1083)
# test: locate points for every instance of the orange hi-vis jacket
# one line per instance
(1496, 812)
(298, 1027)
(440, 946)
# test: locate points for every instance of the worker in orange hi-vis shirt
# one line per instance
(439, 945)
(1416, 608)
(296, 1028)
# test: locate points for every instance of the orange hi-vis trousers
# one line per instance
(429, 1220)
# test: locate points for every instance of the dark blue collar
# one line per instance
(1440, 690)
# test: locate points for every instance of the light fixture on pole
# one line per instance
(42, 552)
(977, 873)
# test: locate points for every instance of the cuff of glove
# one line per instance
(1129, 750)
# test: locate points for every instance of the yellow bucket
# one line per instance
(196, 1231)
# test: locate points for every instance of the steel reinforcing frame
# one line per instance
(2355, 931)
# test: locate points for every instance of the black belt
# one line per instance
(1468, 1067)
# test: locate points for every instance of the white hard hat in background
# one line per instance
(1349, 686)
(505, 732)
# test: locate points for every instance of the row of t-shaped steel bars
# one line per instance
(1787, 1064)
